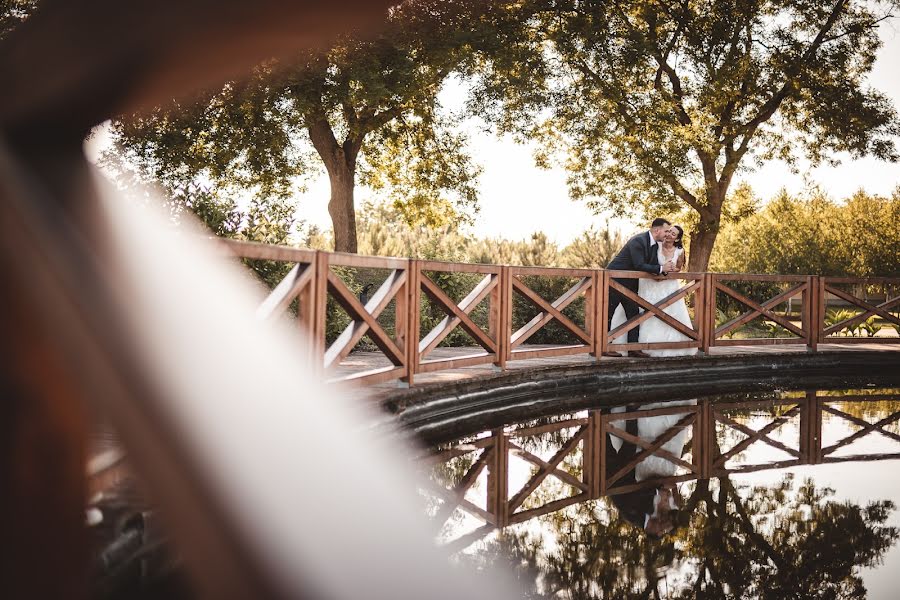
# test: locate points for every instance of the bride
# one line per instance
(654, 290)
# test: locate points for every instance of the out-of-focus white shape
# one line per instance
(329, 508)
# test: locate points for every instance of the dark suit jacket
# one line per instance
(636, 256)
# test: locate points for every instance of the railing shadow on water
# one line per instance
(497, 310)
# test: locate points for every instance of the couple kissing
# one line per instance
(658, 251)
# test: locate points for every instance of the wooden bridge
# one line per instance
(506, 313)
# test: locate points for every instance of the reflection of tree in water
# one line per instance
(784, 541)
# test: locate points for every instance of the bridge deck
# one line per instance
(359, 362)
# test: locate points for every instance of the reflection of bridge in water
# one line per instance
(565, 461)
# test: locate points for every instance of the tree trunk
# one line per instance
(341, 208)
(340, 162)
(703, 238)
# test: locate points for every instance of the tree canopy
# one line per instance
(367, 107)
(659, 105)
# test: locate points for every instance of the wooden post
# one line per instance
(595, 444)
(602, 420)
(44, 550)
(708, 438)
(709, 309)
(603, 312)
(697, 444)
(820, 311)
(505, 329)
(411, 301)
(496, 329)
(809, 313)
(815, 427)
(320, 294)
(592, 308)
(700, 314)
(498, 479)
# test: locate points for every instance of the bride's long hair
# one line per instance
(678, 243)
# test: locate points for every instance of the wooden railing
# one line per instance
(789, 431)
(721, 306)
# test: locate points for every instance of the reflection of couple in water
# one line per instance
(654, 508)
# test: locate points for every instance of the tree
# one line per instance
(659, 105)
(367, 107)
(13, 12)
(811, 234)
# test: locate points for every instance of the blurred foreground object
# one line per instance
(104, 305)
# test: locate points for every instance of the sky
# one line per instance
(515, 195)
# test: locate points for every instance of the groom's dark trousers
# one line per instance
(636, 255)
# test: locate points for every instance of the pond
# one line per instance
(780, 494)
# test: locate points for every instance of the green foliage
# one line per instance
(13, 13)
(366, 106)
(812, 235)
(657, 106)
(868, 328)
(792, 539)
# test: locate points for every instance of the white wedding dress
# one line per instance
(654, 330)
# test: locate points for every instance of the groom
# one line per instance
(639, 254)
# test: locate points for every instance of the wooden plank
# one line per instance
(344, 259)
(520, 336)
(719, 471)
(459, 313)
(761, 342)
(617, 274)
(648, 483)
(860, 340)
(603, 312)
(563, 476)
(456, 451)
(285, 292)
(258, 251)
(536, 480)
(761, 277)
(550, 507)
(655, 310)
(721, 407)
(523, 354)
(763, 438)
(464, 541)
(372, 376)
(364, 319)
(458, 493)
(861, 457)
(453, 267)
(652, 448)
(550, 272)
(320, 311)
(863, 280)
(868, 310)
(445, 364)
(866, 430)
(655, 346)
(543, 317)
(740, 447)
(763, 310)
(555, 426)
(410, 316)
(652, 412)
(498, 478)
(505, 332)
(862, 422)
(358, 312)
